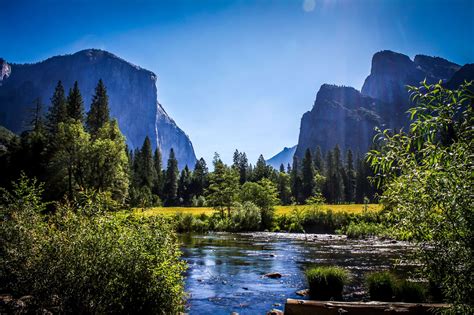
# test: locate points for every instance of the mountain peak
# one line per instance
(390, 62)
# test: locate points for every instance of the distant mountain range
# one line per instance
(132, 97)
(346, 117)
(284, 157)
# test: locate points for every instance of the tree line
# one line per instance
(72, 151)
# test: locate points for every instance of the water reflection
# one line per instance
(226, 270)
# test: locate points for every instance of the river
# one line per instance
(226, 270)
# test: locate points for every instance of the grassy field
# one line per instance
(351, 208)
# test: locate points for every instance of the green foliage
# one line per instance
(223, 187)
(58, 110)
(308, 182)
(98, 114)
(326, 282)
(93, 263)
(385, 286)
(246, 217)
(264, 195)
(171, 180)
(426, 175)
(75, 104)
(198, 201)
(382, 285)
(411, 292)
(108, 162)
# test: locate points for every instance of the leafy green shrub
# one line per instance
(382, 285)
(326, 283)
(412, 292)
(363, 229)
(97, 263)
(184, 222)
(426, 174)
(246, 217)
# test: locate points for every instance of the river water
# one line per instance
(226, 270)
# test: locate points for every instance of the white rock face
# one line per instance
(132, 97)
(5, 70)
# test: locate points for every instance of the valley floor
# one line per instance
(280, 210)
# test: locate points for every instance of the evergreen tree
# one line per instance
(295, 181)
(30, 157)
(159, 179)
(98, 114)
(318, 160)
(58, 110)
(284, 189)
(223, 186)
(107, 162)
(336, 177)
(261, 170)
(200, 179)
(350, 182)
(308, 182)
(282, 168)
(147, 170)
(171, 180)
(240, 163)
(184, 187)
(75, 104)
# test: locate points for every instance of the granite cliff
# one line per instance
(132, 97)
(347, 117)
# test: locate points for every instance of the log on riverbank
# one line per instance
(303, 307)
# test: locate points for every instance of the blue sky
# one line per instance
(240, 74)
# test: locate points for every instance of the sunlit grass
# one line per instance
(169, 211)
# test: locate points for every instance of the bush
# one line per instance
(326, 283)
(246, 217)
(382, 285)
(184, 222)
(96, 263)
(411, 292)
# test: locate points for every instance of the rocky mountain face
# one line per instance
(284, 157)
(132, 97)
(390, 74)
(347, 117)
(340, 115)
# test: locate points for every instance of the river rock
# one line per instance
(304, 292)
(273, 275)
(275, 312)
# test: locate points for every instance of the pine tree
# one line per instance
(98, 114)
(283, 186)
(261, 170)
(147, 169)
(200, 179)
(184, 187)
(58, 110)
(282, 168)
(295, 181)
(171, 180)
(240, 163)
(159, 180)
(75, 104)
(308, 183)
(223, 186)
(350, 183)
(318, 160)
(339, 183)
